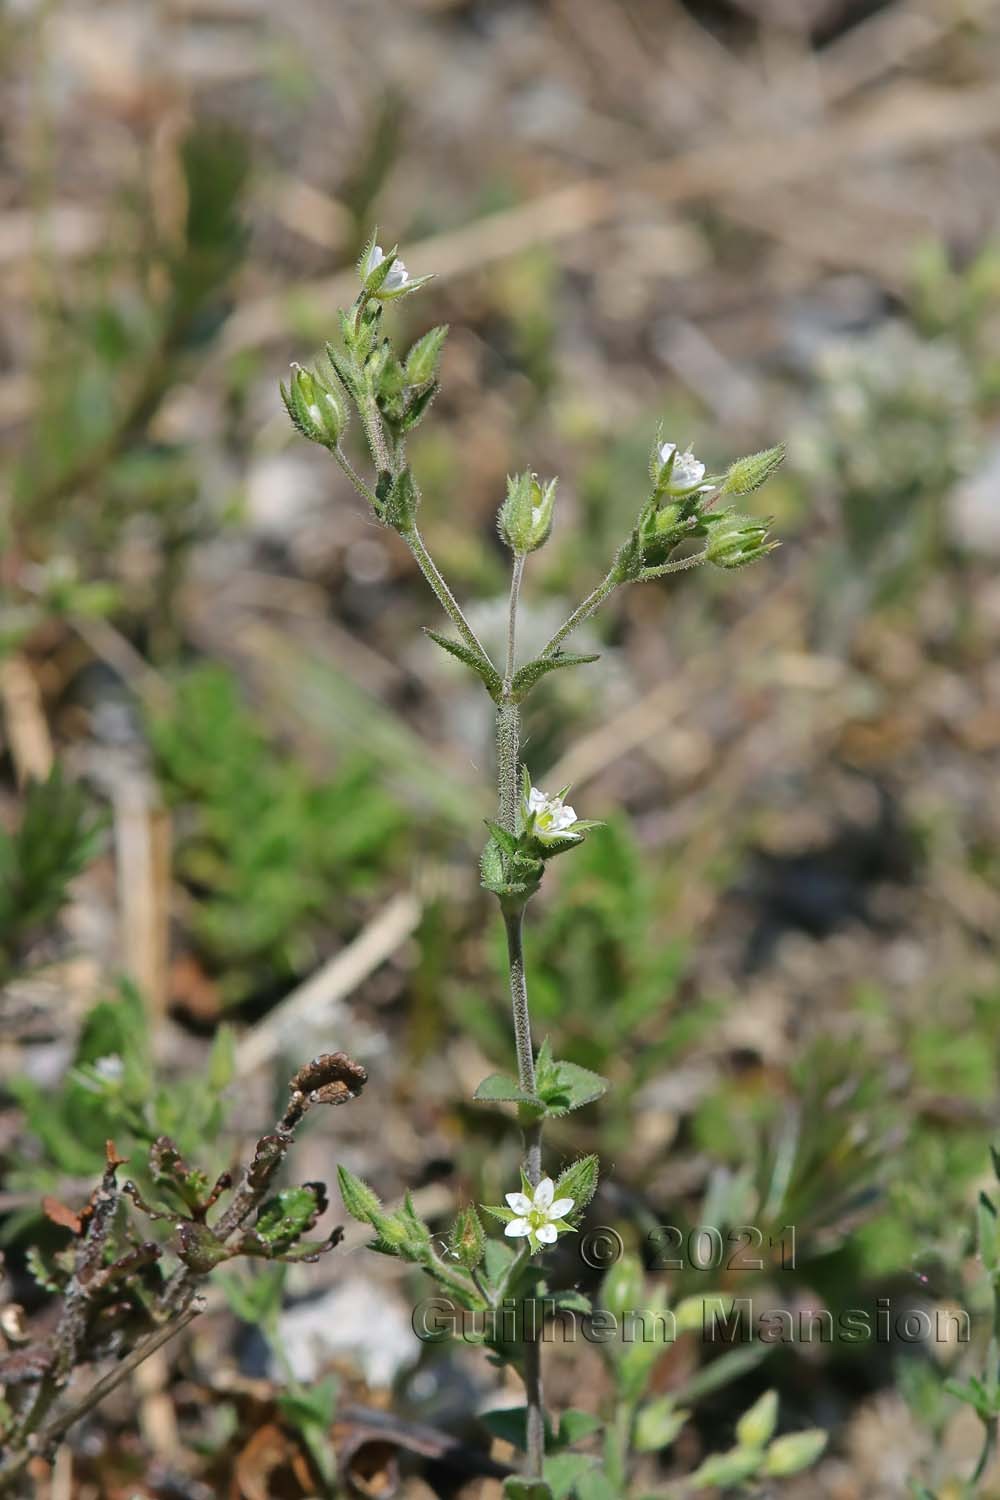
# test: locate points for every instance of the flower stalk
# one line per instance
(391, 395)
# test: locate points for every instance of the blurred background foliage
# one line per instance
(233, 771)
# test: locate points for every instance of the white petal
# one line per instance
(666, 451)
(517, 1228)
(560, 1207)
(536, 799)
(547, 1234)
(519, 1202)
(544, 1193)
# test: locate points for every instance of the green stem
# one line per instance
(508, 751)
(682, 565)
(515, 593)
(372, 420)
(616, 1445)
(359, 484)
(442, 592)
(583, 611)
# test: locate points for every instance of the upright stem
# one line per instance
(508, 768)
(515, 593)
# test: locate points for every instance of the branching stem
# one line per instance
(583, 611)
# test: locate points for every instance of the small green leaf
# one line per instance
(417, 408)
(572, 1300)
(526, 1489)
(500, 1088)
(503, 837)
(529, 674)
(571, 1087)
(492, 873)
(293, 1212)
(563, 1471)
(510, 1425)
(595, 1485)
(575, 1425)
(499, 1211)
(479, 664)
(658, 1424)
(794, 1452)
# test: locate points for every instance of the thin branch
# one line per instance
(583, 611)
(442, 592)
(517, 574)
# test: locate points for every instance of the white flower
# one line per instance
(552, 816)
(398, 275)
(109, 1068)
(538, 1218)
(687, 471)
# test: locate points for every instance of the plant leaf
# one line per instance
(479, 664)
(500, 1088)
(530, 673)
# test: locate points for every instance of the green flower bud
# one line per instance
(525, 518)
(314, 407)
(422, 360)
(468, 1242)
(756, 1426)
(359, 1199)
(748, 474)
(794, 1452)
(725, 1470)
(623, 1289)
(735, 540)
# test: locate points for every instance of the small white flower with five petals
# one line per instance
(539, 1219)
(687, 472)
(397, 277)
(552, 817)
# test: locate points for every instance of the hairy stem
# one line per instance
(583, 611)
(682, 565)
(442, 592)
(515, 593)
(359, 484)
(508, 750)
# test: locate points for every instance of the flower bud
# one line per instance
(726, 1470)
(748, 474)
(675, 472)
(756, 1425)
(794, 1452)
(422, 360)
(525, 518)
(624, 1289)
(385, 276)
(314, 407)
(735, 540)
